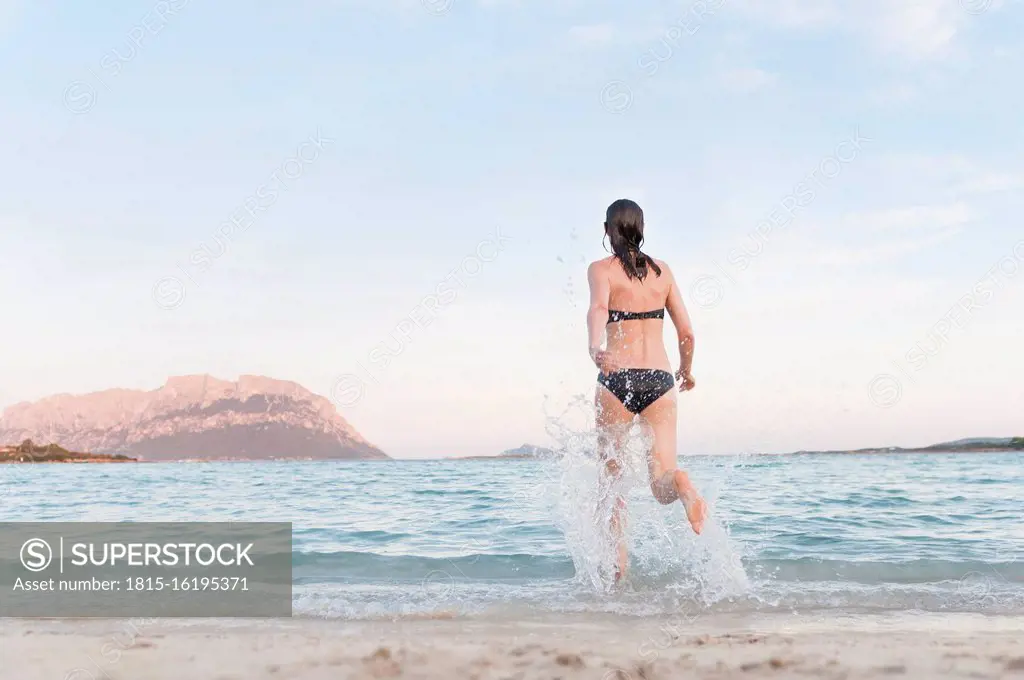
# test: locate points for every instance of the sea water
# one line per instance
(809, 533)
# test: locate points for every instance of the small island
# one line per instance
(528, 451)
(29, 452)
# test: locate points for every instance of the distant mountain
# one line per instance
(527, 451)
(194, 417)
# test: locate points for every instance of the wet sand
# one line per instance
(567, 647)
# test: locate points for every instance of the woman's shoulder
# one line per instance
(662, 265)
(603, 263)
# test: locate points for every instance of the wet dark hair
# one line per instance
(624, 225)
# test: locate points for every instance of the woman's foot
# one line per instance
(696, 511)
(696, 508)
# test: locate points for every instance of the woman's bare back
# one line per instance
(631, 295)
(637, 343)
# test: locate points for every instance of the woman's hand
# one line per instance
(604, 360)
(686, 381)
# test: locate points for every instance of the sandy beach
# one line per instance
(566, 647)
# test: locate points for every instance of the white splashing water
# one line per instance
(668, 562)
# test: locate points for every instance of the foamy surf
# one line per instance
(662, 546)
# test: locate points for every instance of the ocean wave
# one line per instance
(369, 566)
(317, 567)
(976, 594)
(912, 571)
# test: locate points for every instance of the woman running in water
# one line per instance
(629, 293)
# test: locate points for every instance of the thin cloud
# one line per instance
(918, 29)
(9, 10)
(748, 79)
(881, 252)
(792, 13)
(913, 217)
(913, 29)
(591, 35)
(992, 182)
(955, 175)
(894, 94)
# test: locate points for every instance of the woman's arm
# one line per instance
(684, 332)
(597, 317)
(597, 313)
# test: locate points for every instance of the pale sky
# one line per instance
(883, 138)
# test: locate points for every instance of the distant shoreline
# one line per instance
(1008, 448)
(102, 459)
(28, 453)
(972, 445)
(850, 452)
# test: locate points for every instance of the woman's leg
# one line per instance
(668, 482)
(613, 423)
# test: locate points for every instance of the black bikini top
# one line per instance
(615, 315)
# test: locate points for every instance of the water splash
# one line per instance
(666, 559)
